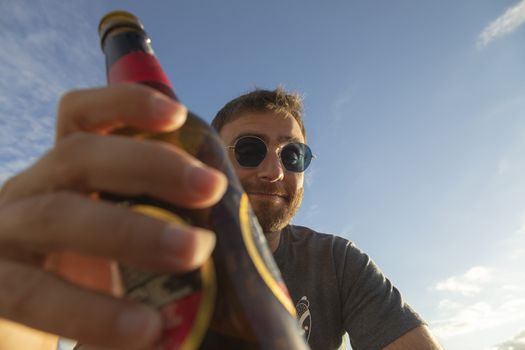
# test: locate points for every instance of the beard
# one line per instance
(274, 214)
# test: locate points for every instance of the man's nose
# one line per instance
(271, 168)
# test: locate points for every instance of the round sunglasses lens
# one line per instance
(296, 157)
(250, 151)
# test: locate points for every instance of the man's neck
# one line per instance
(273, 239)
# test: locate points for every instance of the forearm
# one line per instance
(418, 338)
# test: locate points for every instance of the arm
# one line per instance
(374, 311)
(419, 338)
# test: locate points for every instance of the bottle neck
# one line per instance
(123, 41)
(130, 58)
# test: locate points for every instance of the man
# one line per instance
(336, 287)
(48, 211)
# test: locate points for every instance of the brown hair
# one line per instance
(259, 100)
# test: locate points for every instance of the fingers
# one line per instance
(46, 209)
(68, 222)
(121, 165)
(45, 302)
(103, 110)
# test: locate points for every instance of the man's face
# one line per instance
(274, 192)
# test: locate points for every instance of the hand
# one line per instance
(49, 211)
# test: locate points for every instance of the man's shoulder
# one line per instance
(303, 235)
(321, 244)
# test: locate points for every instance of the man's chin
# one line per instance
(270, 217)
(271, 226)
(274, 212)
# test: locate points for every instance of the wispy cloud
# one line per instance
(495, 307)
(517, 342)
(311, 174)
(469, 283)
(515, 245)
(47, 48)
(511, 19)
(341, 105)
(484, 297)
(464, 317)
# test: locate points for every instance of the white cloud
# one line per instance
(469, 283)
(341, 107)
(47, 49)
(310, 175)
(517, 342)
(513, 288)
(449, 305)
(465, 318)
(505, 24)
(484, 298)
(461, 318)
(515, 244)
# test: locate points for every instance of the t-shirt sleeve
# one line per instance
(374, 313)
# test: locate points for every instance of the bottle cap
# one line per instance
(118, 20)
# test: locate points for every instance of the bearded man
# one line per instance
(336, 287)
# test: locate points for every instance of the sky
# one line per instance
(414, 109)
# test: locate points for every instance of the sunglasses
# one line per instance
(250, 151)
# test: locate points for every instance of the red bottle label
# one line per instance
(137, 67)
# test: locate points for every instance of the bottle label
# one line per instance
(137, 67)
(254, 241)
(185, 301)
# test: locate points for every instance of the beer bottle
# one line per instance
(238, 299)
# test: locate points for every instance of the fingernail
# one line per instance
(204, 244)
(188, 247)
(165, 108)
(142, 323)
(205, 181)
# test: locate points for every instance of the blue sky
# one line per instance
(415, 110)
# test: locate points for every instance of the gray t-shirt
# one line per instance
(337, 289)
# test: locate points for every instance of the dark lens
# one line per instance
(250, 151)
(296, 157)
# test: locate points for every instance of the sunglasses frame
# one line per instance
(279, 151)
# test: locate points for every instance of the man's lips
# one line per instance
(268, 194)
